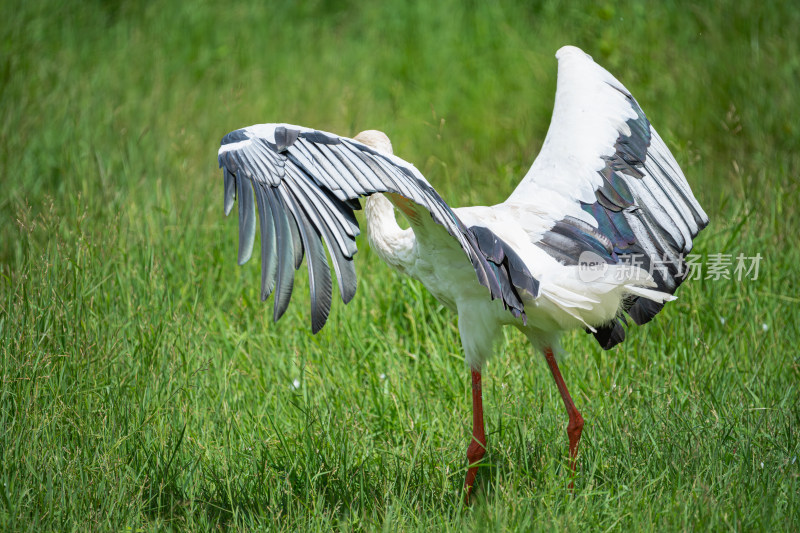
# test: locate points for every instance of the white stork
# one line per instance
(604, 187)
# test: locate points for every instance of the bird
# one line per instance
(595, 234)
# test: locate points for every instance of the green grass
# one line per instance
(144, 385)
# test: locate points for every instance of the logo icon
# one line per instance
(591, 266)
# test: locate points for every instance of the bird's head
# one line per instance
(375, 139)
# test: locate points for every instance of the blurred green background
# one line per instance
(144, 385)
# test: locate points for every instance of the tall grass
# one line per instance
(144, 386)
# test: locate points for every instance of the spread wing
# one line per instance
(610, 186)
(303, 186)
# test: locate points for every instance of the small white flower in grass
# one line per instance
(296, 384)
(382, 376)
(764, 326)
(722, 320)
(762, 464)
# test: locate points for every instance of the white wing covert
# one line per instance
(612, 185)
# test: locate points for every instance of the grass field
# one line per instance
(145, 387)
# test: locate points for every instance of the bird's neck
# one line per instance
(393, 244)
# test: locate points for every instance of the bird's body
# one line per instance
(560, 253)
(436, 260)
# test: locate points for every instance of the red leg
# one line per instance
(575, 425)
(477, 446)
